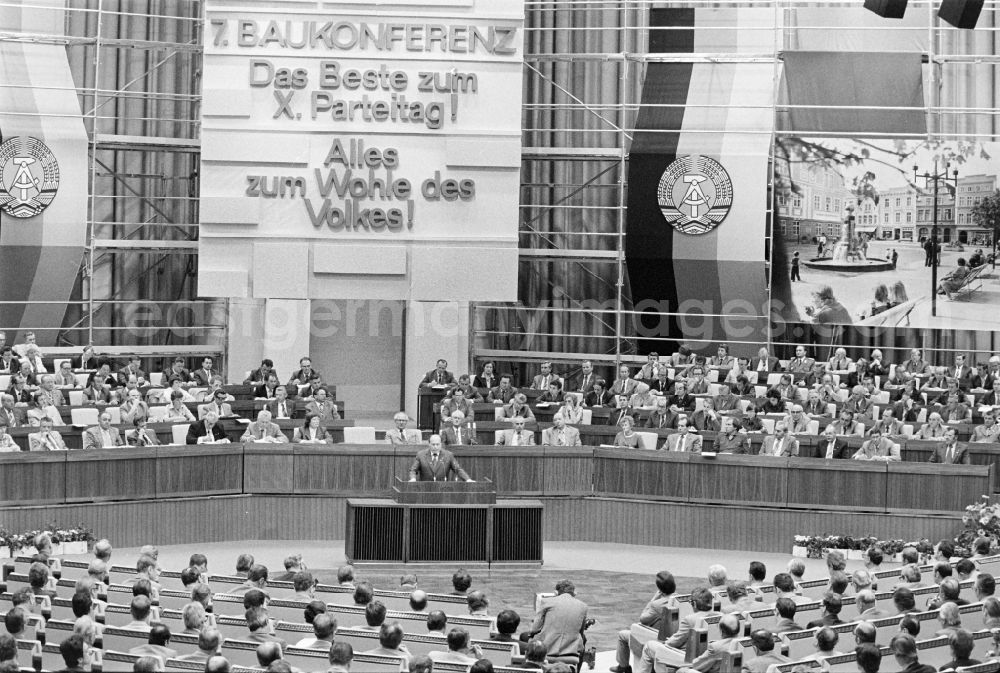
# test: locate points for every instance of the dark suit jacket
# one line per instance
(430, 378)
(201, 377)
(582, 386)
(272, 406)
(840, 449)
(592, 399)
(20, 417)
(668, 417)
(261, 391)
(483, 385)
(617, 415)
(940, 453)
(197, 431)
(445, 469)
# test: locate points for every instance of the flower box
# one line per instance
(799, 551)
(4, 552)
(76, 548)
(855, 555)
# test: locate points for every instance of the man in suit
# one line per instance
(651, 370)
(46, 439)
(133, 368)
(730, 439)
(764, 363)
(781, 444)
(516, 436)
(439, 376)
(671, 653)
(599, 396)
(961, 372)
(263, 430)
(48, 395)
(11, 416)
(397, 435)
(785, 609)
(304, 374)
(209, 645)
(436, 464)
(722, 359)
(800, 366)
(652, 615)
(796, 421)
(457, 402)
(662, 417)
(262, 628)
(281, 406)
(887, 425)
(176, 371)
(560, 434)
(624, 384)
(707, 418)
(763, 646)
(390, 644)
(711, 660)
(832, 447)
(586, 381)
(559, 622)
(8, 363)
(866, 603)
(907, 409)
(554, 394)
(949, 452)
(989, 431)
(682, 400)
(218, 406)
(321, 406)
(915, 365)
(878, 447)
(207, 431)
(159, 638)
(620, 411)
(140, 435)
(457, 434)
(682, 440)
(502, 393)
(102, 435)
(258, 376)
(542, 380)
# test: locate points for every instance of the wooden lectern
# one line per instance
(444, 521)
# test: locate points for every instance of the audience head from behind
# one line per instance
(217, 664)
(268, 652)
(375, 613)
(865, 600)
(757, 572)
(903, 599)
(324, 626)
(255, 598)
(458, 639)
(702, 600)
(190, 576)
(763, 640)
(142, 587)
(243, 564)
(390, 636)
(826, 639)
(202, 593)
(314, 608)
(345, 575)
(363, 593)
(784, 584)
(461, 581)
(303, 582)
(258, 620)
(257, 576)
(904, 648)
(14, 621)
(140, 608)
(944, 551)
(716, 575)
(797, 569)
(279, 666)
(87, 629)
(832, 603)
(910, 625)
(985, 585)
(785, 607)
(437, 620)
(965, 568)
(535, 652)
(98, 569)
(194, 617)
(981, 545)
(565, 586)
(949, 616)
(942, 569)
(507, 622)
(159, 634)
(418, 600)
(910, 573)
(8, 648)
(869, 657)
(210, 641)
(961, 643)
(341, 655)
(72, 649)
(199, 562)
(38, 576)
(839, 582)
(736, 590)
(147, 664)
(23, 598)
(910, 555)
(421, 664)
(477, 602)
(486, 666)
(82, 603)
(865, 632)
(950, 590)
(729, 626)
(861, 579)
(102, 550)
(836, 560)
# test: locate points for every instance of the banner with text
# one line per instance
(354, 150)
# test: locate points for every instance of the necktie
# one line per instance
(434, 459)
(562, 438)
(829, 449)
(281, 410)
(683, 446)
(958, 372)
(951, 454)
(402, 437)
(440, 379)
(777, 447)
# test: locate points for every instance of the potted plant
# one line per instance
(800, 545)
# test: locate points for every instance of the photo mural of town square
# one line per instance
(854, 233)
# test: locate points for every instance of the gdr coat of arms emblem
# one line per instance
(695, 194)
(29, 176)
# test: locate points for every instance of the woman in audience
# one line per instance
(311, 432)
(991, 612)
(642, 398)
(177, 411)
(140, 435)
(933, 429)
(898, 294)
(175, 387)
(881, 301)
(571, 411)
(86, 360)
(627, 438)
(133, 407)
